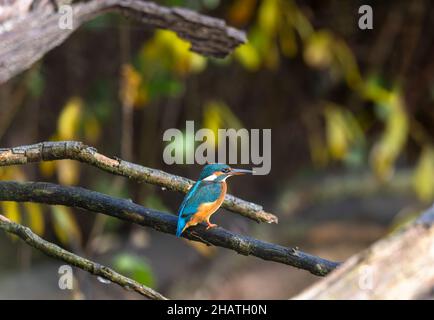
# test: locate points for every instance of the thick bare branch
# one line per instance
(92, 267)
(397, 267)
(46, 151)
(127, 210)
(26, 39)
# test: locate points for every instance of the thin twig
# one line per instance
(92, 267)
(53, 194)
(74, 150)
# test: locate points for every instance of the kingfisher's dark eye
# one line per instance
(225, 170)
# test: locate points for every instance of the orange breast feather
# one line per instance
(208, 208)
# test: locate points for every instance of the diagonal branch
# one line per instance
(73, 150)
(92, 267)
(127, 210)
(25, 40)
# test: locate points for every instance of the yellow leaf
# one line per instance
(337, 137)
(197, 62)
(269, 16)
(175, 52)
(69, 119)
(423, 178)
(348, 63)
(248, 56)
(47, 168)
(130, 83)
(68, 172)
(386, 151)
(318, 51)
(65, 226)
(298, 20)
(11, 211)
(36, 217)
(13, 173)
(92, 129)
(218, 115)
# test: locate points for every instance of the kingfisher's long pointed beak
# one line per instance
(240, 172)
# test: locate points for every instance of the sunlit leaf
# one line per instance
(47, 168)
(65, 226)
(268, 16)
(387, 149)
(92, 129)
(337, 137)
(130, 82)
(11, 211)
(218, 115)
(348, 64)
(298, 20)
(68, 172)
(318, 51)
(166, 49)
(423, 178)
(69, 119)
(35, 217)
(248, 57)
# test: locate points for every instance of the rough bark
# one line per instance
(25, 38)
(399, 266)
(46, 151)
(57, 252)
(53, 194)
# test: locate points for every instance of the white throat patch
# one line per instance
(210, 178)
(213, 177)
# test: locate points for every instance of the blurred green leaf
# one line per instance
(135, 267)
(65, 226)
(36, 82)
(155, 202)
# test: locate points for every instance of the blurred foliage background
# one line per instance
(352, 149)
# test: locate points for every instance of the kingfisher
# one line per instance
(206, 196)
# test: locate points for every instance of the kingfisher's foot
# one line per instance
(210, 225)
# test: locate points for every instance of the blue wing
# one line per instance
(201, 192)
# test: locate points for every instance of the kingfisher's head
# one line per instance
(220, 172)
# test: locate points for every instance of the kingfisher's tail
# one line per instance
(180, 228)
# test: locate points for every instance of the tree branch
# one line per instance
(73, 150)
(92, 267)
(399, 266)
(127, 210)
(26, 40)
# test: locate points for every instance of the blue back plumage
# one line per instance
(201, 192)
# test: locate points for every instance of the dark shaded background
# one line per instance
(319, 91)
